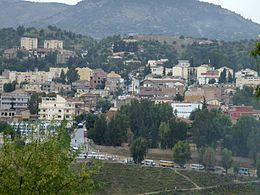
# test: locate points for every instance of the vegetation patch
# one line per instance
(125, 179)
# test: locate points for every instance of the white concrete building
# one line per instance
(17, 99)
(158, 70)
(29, 43)
(248, 81)
(53, 44)
(57, 109)
(246, 73)
(153, 63)
(184, 109)
(206, 77)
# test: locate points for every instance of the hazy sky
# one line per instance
(247, 8)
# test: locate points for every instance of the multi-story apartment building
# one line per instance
(84, 73)
(248, 81)
(64, 55)
(161, 87)
(56, 108)
(246, 73)
(30, 77)
(29, 43)
(52, 87)
(56, 72)
(98, 78)
(184, 109)
(113, 82)
(17, 99)
(53, 44)
(181, 69)
(204, 78)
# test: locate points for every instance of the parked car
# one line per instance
(148, 162)
(243, 171)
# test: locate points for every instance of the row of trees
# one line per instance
(155, 123)
(211, 128)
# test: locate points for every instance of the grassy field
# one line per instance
(130, 179)
(204, 179)
(120, 179)
(245, 189)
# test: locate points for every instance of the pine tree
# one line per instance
(223, 76)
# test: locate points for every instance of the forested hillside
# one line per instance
(112, 17)
(97, 52)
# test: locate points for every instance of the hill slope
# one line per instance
(101, 18)
(17, 12)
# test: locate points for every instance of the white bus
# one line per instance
(197, 167)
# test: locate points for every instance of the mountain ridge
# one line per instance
(100, 18)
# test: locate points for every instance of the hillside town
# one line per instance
(116, 97)
(182, 86)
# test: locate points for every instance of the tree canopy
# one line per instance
(44, 165)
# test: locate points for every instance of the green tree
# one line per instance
(103, 105)
(117, 130)
(253, 143)
(226, 159)
(9, 87)
(178, 97)
(98, 132)
(147, 70)
(138, 149)
(164, 132)
(240, 134)
(181, 153)
(209, 126)
(204, 104)
(258, 169)
(45, 165)
(223, 76)
(62, 77)
(212, 81)
(72, 75)
(256, 53)
(246, 97)
(20, 30)
(230, 78)
(130, 137)
(209, 158)
(34, 101)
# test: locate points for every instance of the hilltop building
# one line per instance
(29, 43)
(53, 44)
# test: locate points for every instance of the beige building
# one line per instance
(57, 71)
(248, 81)
(53, 44)
(30, 77)
(113, 82)
(29, 43)
(84, 73)
(64, 55)
(202, 69)
(36, 88)
(181, 69)
(57, 109)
